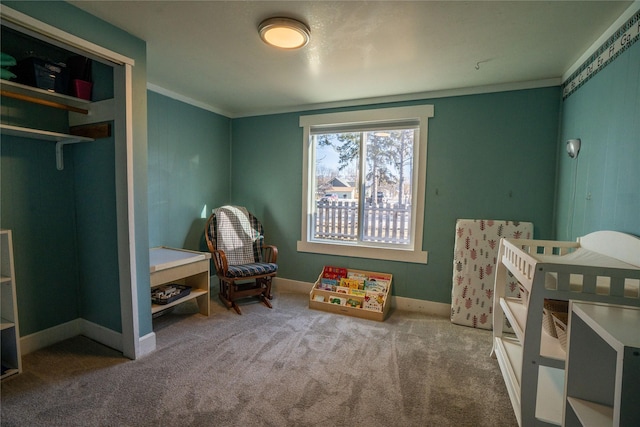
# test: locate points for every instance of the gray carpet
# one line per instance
(290, 366)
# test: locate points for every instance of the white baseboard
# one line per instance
(110, 338)
(281, 284)
(401, 303)
(147, 344)
(421, 306)
(50, 336)
(103, 335)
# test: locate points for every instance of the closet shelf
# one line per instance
(60, 139)
(35, 95)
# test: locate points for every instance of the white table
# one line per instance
(184, 267)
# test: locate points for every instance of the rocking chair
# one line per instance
(244, 265)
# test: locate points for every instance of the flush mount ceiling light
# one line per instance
(285, 33)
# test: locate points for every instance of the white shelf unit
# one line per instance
(603, 366)
(10, 346)
(599, 267)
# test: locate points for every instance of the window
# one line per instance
(364, 179)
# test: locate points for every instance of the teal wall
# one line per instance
(189, 169)
(38, 205)
(84, 189)
(64, 270)
(600, 189)
(490, 156)
(95, 197)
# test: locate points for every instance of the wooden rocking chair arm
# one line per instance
(220, 262)
(270, 253)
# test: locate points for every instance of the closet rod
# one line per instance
(43, 102)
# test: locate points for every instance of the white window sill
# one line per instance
(414, 256)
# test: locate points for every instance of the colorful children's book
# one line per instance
(354, 303)
(338, 300)
(357, 292)
(373, 301)
(376, 285)
(327, 284)
(356, 275)
(350, 283)
(359, 277)
(325, 287)
(378, 277)
(336, 273)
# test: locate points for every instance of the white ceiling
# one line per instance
(210, 51)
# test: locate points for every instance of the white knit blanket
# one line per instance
(235, 236)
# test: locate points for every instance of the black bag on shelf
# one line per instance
(42, 74)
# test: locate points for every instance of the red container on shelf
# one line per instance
(81, 89)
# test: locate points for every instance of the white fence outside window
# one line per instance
(381, 222)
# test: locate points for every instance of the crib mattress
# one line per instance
(475, 251)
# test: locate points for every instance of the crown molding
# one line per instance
(622, 20)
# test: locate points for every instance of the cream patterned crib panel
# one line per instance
(474, 263)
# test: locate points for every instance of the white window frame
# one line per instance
(410, 253)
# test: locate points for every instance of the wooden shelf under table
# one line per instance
(181, 266)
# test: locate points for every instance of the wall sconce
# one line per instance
(573, 147)
(285, 33)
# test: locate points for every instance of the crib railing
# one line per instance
(622, 283)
